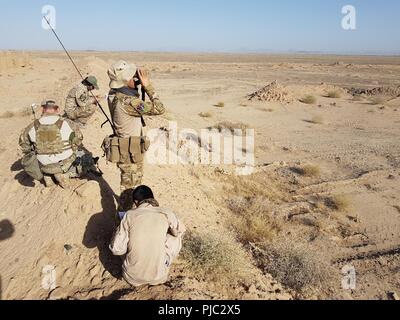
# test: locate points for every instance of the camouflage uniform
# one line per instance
(126, 115)
(80, 105)
(62, 140)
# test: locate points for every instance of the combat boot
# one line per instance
(48, 181)
(62, 180)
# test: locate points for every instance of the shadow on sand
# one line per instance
(100, 229)
(23, 178)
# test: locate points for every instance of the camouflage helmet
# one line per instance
(93, 81)
(120, 73)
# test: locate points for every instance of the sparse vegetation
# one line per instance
(295, 266)
(230, 126)
(216, 256)
(307, 170)
(337, 203)
(220, 104)
(377, 100)
(317, 120)
(309, 99)
(7, 115)
(267, 109)
(334, 94)
(205, 114)
(251, 221)
(358, 98)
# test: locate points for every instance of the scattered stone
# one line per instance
(67, 249)
(393, 296)
(221, 171)
(273, 92)
(391, 177)
(393, 91)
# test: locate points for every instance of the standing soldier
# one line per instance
(127, 109)
(80, 104)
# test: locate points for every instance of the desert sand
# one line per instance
(326, 180)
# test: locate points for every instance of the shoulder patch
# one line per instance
(140, 108)
(83, 97)
(126, 100)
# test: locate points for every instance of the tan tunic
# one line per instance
(126, 112)
(151, 238)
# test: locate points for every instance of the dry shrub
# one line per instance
(307, 170)
(7, 115)
(262, 185)
(230, 126)
(252, 222)
(337, 203)
(317, 120)
(216, 256)
(220, 104)
(295, 266)
(358, 98)
(309, 99)
(334, 94)
(22, 113)
(267, 109)
(251, 200)
(205, 114)
(378, 100)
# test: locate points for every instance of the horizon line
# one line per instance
(368, 53)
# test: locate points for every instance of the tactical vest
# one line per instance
(48, 138)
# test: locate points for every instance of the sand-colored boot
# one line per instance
(48, 181)
(62, 180)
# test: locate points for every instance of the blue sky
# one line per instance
(207, 25)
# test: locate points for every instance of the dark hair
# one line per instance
(142, 193)
(86, 83)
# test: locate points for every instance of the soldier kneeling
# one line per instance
(51, 148)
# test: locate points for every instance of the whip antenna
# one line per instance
(80, 74)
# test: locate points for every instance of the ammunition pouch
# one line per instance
(59, 168)
(125, 150)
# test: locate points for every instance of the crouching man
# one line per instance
(51, 148)
(150, 237)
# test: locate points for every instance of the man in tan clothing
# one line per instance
(150, 237)
(127, 111)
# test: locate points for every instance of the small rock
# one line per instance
(393, 296)
(252, 289)
(391, 177)
(57, 294)
(67, 249)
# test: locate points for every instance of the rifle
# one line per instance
(144, 100)
(80, 74)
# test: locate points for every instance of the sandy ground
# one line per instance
(353, 143)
